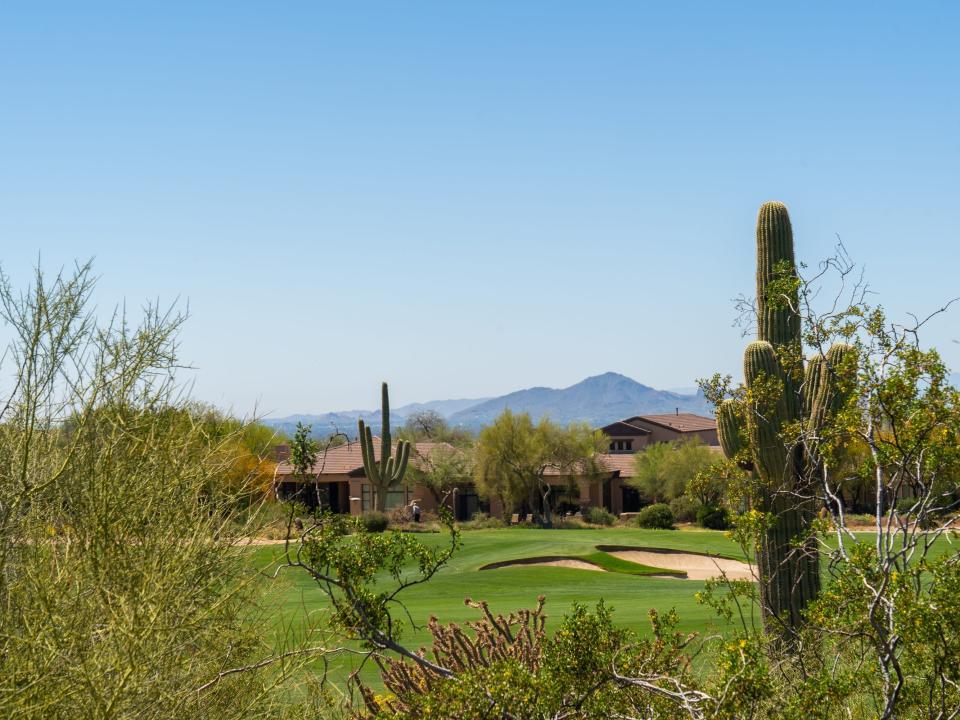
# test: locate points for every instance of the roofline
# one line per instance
(671, 427)
(642, 431)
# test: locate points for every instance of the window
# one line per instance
(396, 498)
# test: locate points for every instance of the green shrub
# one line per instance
(905, 504)
(684, 508)
(375, 521)
(656, 517)
(713, 518)
(599, 516)
(570, 523)
(482, 521)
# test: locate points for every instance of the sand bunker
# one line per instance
(695, 565)
(551, 561)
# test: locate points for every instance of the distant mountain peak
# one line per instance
(598, 400)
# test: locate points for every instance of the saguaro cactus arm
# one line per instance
(824, 394)
(767, 410)
(370, 466)
(778, 321)
(390, 469)
(728, 428)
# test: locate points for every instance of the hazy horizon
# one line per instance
(467, 200)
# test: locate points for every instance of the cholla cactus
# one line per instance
(495, 639)
(389, 471)
(786, 405)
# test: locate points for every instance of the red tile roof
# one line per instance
(609, 462)
(619, 462)
(348, 459)
(682, 422)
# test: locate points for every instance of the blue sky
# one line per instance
(469, 198)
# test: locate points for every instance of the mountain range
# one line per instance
(597, 400)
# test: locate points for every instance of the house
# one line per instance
(634, 433)
(606, 489)
(338, 481)
(628, 437)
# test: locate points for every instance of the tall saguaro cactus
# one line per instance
(786, 406)
(390, 469)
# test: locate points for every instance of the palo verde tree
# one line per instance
(440, 470)
(663, 470)
(514, 457)
(123, 590)
(786, 402)
(389, 471)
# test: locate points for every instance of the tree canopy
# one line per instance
(663, 470)
(514, 455)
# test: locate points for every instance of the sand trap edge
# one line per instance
(697, 566)
(664, 551)
(539, 560)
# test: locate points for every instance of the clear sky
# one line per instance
(470, 198)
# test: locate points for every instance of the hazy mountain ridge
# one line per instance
(597, 400)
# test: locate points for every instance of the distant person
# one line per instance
(416, 511)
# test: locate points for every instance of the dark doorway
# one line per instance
(468, 505)
(631, 499)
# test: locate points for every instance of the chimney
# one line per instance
(281, 453)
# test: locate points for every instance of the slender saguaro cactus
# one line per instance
(390, 470)
(786, 406)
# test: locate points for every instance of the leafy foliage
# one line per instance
(513, 457)
(374, 521)
(121, 591)
(684, 508)
(663, 470)
(713, 517)
(599, 516)
(441, 469)
(656, 517)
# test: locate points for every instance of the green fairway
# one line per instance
(506, 589)
(628, 589)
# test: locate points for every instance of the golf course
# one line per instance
(630, 588)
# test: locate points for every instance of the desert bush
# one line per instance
(122, 591)
(482, 521)
(508, 666)
(684, 508)
(571, 523)
(656, 517)
(713, 518)
(375, 521)
(599, 516)
(398, 515)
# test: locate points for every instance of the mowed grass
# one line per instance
(611, 563)
(629, 591)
